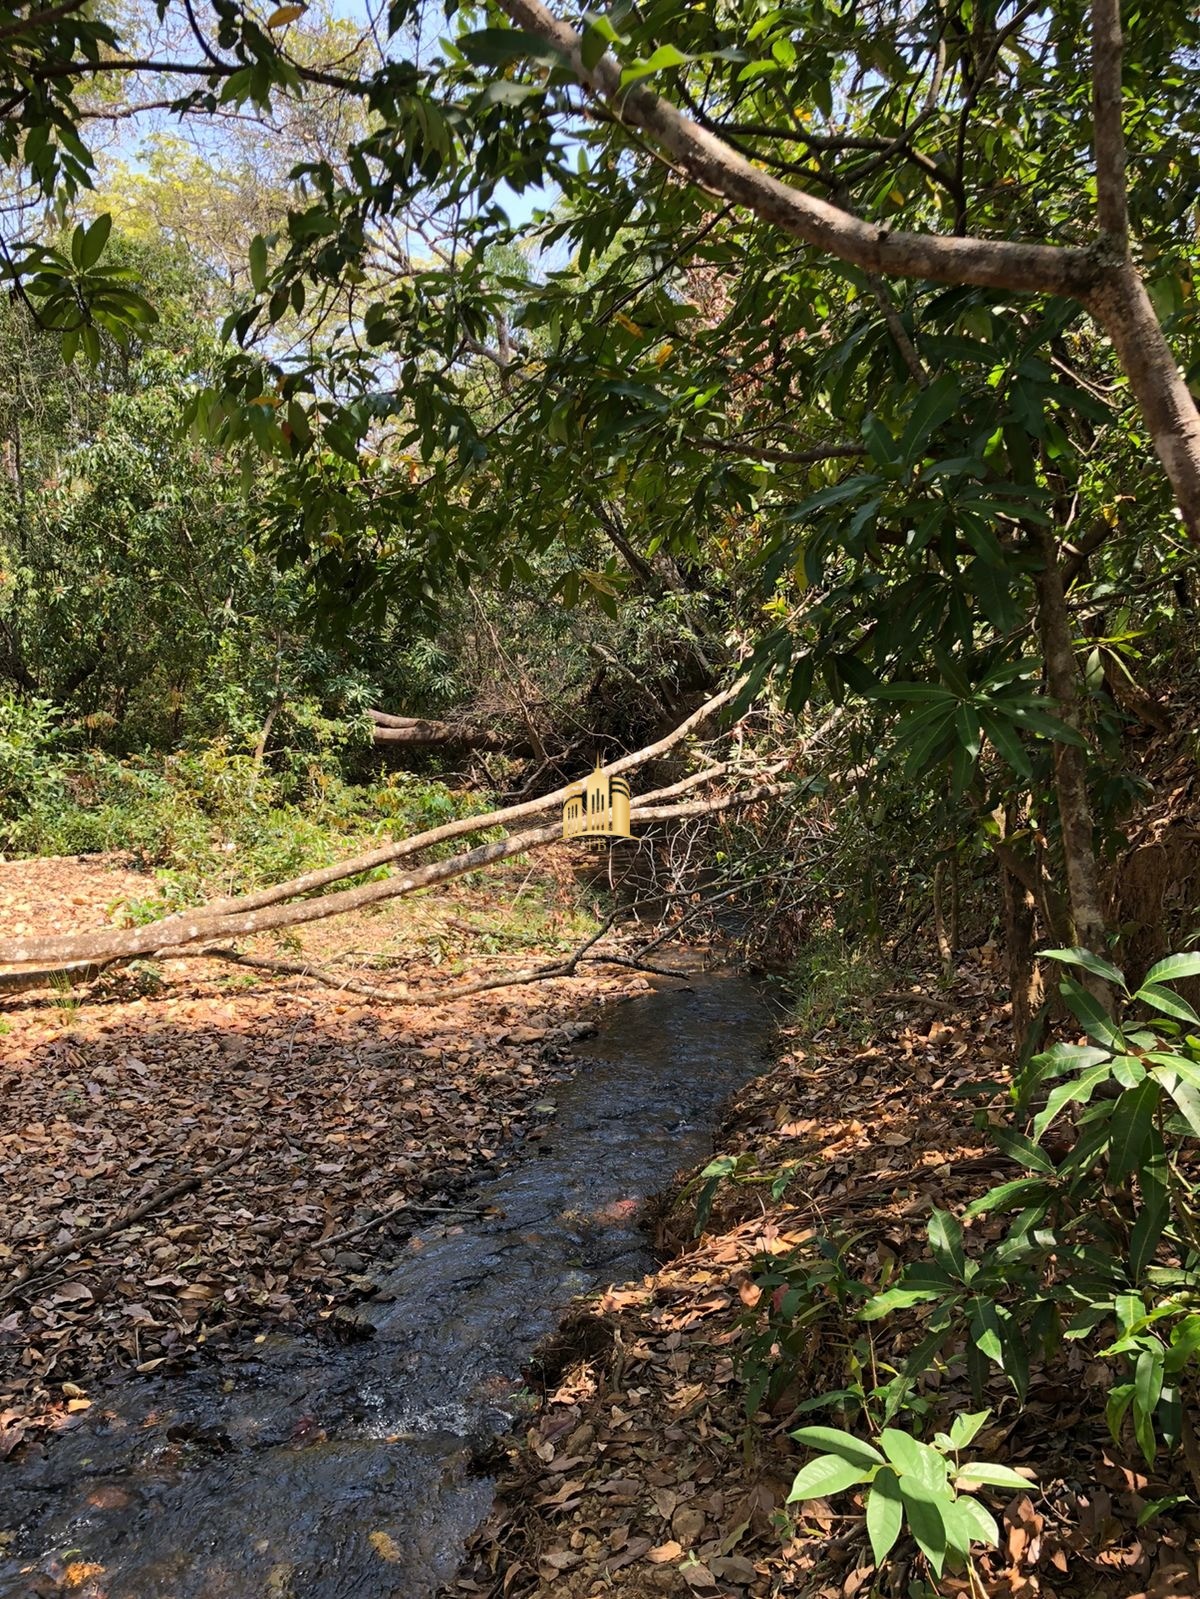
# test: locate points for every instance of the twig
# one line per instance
(95, 1235)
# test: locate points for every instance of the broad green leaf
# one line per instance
(1080, 1090)
(1148, 1379)
(967, 1522)
(1096, 1021)
(990, 1474)
(885, 1513)
(1021, 1149)
(258, 262)
(664, 59)
(843, 1444)
(1173, 967)
(1089, 962)
(1153, 1213)
(912, 1458)
(495, 47)
(93, 242)
(924, 1511)
(1010, 1196)
(1183, 1091)
(1169, 1003)
(946, 1242)
(919, 1283)
(1132, 1121)
(828, 1474)
(965, 1426)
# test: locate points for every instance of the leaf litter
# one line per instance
(188, 1157)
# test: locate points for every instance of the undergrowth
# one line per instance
(212, 819)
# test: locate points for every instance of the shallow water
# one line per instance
(302, 1469)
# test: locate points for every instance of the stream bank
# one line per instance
(641, 1475)
(305, 1469)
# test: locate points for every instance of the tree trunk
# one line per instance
(1024, 979)
(945, 945)
(266, 909)
(1086, 902)
(1122, 307)
(174, 935)
(424, 733)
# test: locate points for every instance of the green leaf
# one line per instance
(1184, 1092)
(598, 34)
(885, 1513)
(1007, 743)
(258, 262)
(663, 59)
(946, 1241)
(967, 1522)
(965, 1426)
(1096, 1021)
(843, 1444)
(1153, 1214)
(1009, 1196)
(496, 47)
(1132, 1121)
(914, 1459)
(990, 1475)
(919, 1283)
(828, 1474)
(1089, 962)
(1080, 1089)
(1021, 1149)
(91, 245)
(924, 1510)
(1169, 1003)
(1173, 967)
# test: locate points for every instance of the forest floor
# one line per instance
(190, 1151)
(640, 1477)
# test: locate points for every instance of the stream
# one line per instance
(307, 1469)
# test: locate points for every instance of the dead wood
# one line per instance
(236, 917)
(175, 935)
(426, 733)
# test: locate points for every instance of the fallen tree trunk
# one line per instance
(83, 956)
(239, 917)
(162, 938)
(424, 733)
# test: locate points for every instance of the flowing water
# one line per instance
(303, 1469)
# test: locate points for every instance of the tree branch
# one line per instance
(1109, 136)
(707, 160)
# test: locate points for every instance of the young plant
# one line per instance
(1105, 1235)
(910, 1484)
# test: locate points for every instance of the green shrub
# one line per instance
(212, 818)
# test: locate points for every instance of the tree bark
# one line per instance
(1020, 907)
(1070, 762)
(266, 908)
(1122, 307)
(425, 733)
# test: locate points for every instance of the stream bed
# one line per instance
(306, 1469)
